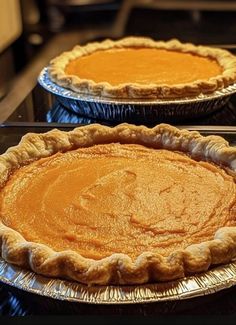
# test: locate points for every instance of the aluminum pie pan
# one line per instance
(135, 110)
(212, 281)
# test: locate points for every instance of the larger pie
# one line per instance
(137, 67)
(122, 205)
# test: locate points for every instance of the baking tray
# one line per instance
(149, 111)
(217, 279)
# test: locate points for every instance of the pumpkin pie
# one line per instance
(121, 205)
(138, 67)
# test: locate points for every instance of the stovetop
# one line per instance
(40, 112)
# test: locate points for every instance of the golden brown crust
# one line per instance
(131, 90)
(118, 268)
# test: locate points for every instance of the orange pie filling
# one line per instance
(118, 198)
(143, 66)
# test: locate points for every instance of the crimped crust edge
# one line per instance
(118, 268)
(57, 73)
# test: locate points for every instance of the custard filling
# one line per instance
(118, 198)
(143, 66)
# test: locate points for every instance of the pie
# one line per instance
(138, 67)
(121, 205)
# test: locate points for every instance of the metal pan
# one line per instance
(217, 279)
(139, 111)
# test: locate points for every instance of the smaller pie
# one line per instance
(122, 205)
(138, 67)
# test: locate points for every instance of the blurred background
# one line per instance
(27, 26)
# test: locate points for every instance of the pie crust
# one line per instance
(225, 59)
(117, 268)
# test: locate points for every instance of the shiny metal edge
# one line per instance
(45, 81)
(219, 278)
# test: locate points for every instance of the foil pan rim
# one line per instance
(212, 281)
(45, 81)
